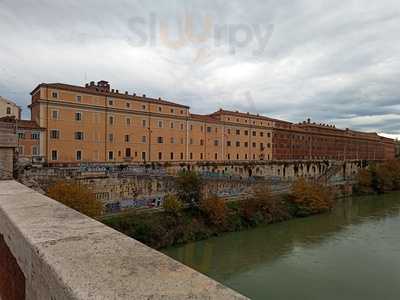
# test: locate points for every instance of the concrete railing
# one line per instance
(49, 251)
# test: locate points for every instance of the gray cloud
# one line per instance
(333, 61)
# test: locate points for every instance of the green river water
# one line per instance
(351, 253)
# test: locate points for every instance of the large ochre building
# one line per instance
(95, 123)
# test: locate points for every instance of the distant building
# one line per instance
(9, 109)
(94, 123)
(29, 138)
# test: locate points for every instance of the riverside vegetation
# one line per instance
(188, 216)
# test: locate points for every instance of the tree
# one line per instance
(364, 180)
(307, 198)
(215, 210)
(188, 186)
(76, 196)
(172, 205)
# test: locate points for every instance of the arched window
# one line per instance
(8, 110)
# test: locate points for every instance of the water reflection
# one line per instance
(310, 246)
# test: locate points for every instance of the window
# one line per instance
(110, 155)
(269, 134)
(246, 144)
(127, 138)
(172, 125)
(111, 120)
(208, 129)
(128, 152)
(246, 132)
(254, 133)
(160, 124)
(54, 94)
(21, 135)
(128, 105)
(254, 145)
(54, 155)
(229, 156)
(237, 156)
(8, 110)
(237, 131)
(79, 155)
(201, 155)
(54, 134)
(79, 135)
(144, 123)
(181, 126)
(159, 108)
(159, 155)
(191, 155)
(55, 115)
(228, 143)
(78, 116)
(172, 140)
(172, 155)
(143, 155)
(111, 137)
(201, 142)
(261, 134)
(237, 144)
(144, 108)
(160, 140)
(35, 150)
(143, 139)
(35, 136)
(216, 156)
(110, 102)
(128, 122)
(172, 110)
(229, 131)
(216, 143)
(78, 99)
(181, 156)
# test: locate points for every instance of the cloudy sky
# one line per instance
(333, 61)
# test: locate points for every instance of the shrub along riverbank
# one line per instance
(188, 217)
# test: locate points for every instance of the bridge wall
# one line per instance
(48, 251)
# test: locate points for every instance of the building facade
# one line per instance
(9, 109)
(29, 138)
(95, 123)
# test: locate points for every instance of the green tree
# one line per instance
(189, 187)
(76, 196)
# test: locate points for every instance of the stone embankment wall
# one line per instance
(134, 186)
(49, 251)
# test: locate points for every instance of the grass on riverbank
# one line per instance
(213, 216)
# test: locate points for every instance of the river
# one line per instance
(351, 253)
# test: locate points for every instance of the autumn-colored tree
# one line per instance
(188, 186)
(172, 205)
(308, 198)
(364, 181)
(262, 206)
(215, 210)
(76, 196)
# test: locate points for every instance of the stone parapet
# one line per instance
(63, 254)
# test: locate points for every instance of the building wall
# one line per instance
(9, 108)
(118, 127)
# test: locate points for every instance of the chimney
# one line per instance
(112, 90)
(144, 95)
(117, 91)
(308, 120)
(126, 92)
(134, 94)
(87, 85)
